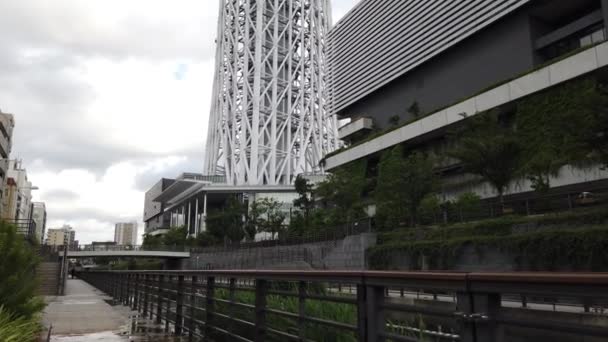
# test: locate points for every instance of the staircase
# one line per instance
(48, 274)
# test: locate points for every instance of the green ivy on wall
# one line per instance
(583, 248)
(554, 127)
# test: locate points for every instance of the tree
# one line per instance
(151, 241)
(254, 218)
(297, 225)
(419, 181)
(306, 198)
(18, 282)
(429, 210)
(175, 237)
(565, 125)
(340, 195)
(272, 217)
(402, 185)
(467, 205)
(391, 211)
(490, 149)
(205, 239)
(552, 127)
(228, 224)
(591, 109)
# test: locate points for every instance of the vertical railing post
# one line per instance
(118, 288)
(487, 306)
(123, 287)
(128, 291)
(376, 324)
(261, 290)
(115, 286)
(191, 324)
(136, 292)
(232, 298)
(131, 290)
(159, 299)
(361, 313)
(464, 307)
(179, 306)
(209, 306)
(302, 310)
(146, 284)
(168, 293)
(125, 300)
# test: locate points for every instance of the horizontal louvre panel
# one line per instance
(381, 40)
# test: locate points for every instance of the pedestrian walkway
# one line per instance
(83, 310)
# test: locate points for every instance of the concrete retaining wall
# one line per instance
(345, 254)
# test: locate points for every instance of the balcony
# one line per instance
(348, 131)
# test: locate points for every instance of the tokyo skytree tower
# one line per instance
(269, 119)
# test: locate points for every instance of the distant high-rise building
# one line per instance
(61, 236)
(269, 120)
(125, 234)
(39, 217)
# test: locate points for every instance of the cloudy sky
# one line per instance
(108, 96)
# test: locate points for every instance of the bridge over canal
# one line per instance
(130, 251)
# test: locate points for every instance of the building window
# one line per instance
(593, 38)
(593, 35)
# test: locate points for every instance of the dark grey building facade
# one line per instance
(408, 72)
(386, 55)
(155, 218)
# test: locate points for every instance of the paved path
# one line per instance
(83, 311)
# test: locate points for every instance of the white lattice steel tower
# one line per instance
(269, 120)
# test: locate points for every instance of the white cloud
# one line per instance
(109, 96)
(113, 28)
(103, 200)
(143, 105)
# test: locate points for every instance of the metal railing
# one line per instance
(519, 204)
(311, 305)
(25, 227)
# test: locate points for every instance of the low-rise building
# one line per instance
(61, 236)
(190, 197)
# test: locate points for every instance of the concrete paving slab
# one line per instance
(82, 310)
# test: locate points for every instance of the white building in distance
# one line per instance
(125, 234)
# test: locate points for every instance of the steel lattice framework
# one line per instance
(269, 120)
